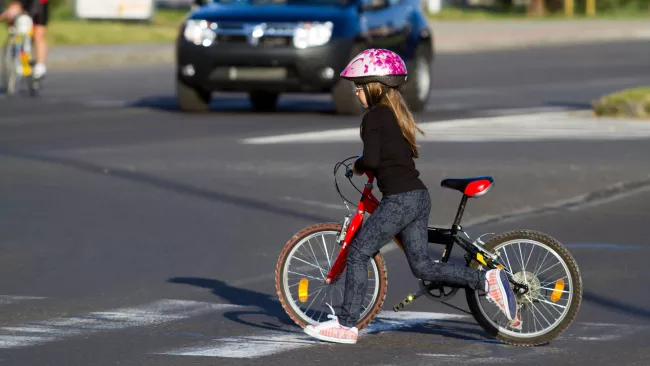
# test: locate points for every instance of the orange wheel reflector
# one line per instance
(557, 292)
(303, 290)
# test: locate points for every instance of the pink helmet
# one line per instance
(376, 65)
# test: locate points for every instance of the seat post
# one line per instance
(459, 214)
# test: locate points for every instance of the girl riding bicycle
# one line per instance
(389, 146)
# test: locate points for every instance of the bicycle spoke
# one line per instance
(505, 251)
(308, 263)
(315, 258)
(552, 289)
(329, 264)
(548, 268)
(523, 269)
(312, 300)
(540, 266)
(540, 313)
(307, 276)
(528, 260)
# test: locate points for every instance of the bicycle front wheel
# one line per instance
(302, 267)
(554, 289)
(8, 68)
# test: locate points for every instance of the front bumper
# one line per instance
(241, 67)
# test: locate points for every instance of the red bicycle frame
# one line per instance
(366, 204)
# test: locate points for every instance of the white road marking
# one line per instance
(270, 343)
(158, 312)
(531, 127)
(554, 86)
(314, 203)
(10, 299)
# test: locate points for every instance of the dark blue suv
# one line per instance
(270, 47)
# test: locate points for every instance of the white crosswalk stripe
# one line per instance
(252, 345)
(10, 299)
(270, 343)
(531, 127)
(158, 312)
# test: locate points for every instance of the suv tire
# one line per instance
(191, 99)
(417, 89)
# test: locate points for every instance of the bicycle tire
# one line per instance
(299, 319)
(9, 69)
(576, 300)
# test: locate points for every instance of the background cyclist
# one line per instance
(38, 10)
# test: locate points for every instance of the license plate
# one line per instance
(257, 73)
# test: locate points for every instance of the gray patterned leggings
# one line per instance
(407, 215)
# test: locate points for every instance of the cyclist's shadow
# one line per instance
(268, 305)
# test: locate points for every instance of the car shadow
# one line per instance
(268, 306)
(237, 104)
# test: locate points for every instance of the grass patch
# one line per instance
(630, 103)
(64, 29)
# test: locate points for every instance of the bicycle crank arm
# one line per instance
(411, 297)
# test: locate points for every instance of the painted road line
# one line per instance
(272, 343)
(155, 313)
(10, 299)
(269, 343)
(531, 127)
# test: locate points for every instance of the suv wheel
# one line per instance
(417, 89)
(344, 95)
(191, 99)
(345, 98)
(263, 101)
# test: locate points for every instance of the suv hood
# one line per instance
(273, 12)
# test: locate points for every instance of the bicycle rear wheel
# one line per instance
(555, 288)
(300, 271)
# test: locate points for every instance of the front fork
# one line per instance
(343, 240)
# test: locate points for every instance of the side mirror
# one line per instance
(365, 5)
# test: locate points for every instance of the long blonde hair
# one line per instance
(393, 99)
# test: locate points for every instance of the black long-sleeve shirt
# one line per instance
(387, 153)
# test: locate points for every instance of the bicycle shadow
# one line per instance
(268, 306)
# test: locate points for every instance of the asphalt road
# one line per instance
(133, 234)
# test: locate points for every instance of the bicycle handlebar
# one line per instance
(349, 174)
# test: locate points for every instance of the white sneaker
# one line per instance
(332, 331)
(39, 71)
(500, 293)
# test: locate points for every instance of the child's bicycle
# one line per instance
(310, 271)
(17, 62)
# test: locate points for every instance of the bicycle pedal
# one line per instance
(404, 302)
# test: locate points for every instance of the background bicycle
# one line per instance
(17, 62)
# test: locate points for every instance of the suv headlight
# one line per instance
(200, 32)
(312, 34)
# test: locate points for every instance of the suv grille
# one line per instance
(255, 34)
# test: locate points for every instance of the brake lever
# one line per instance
(348, 172)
